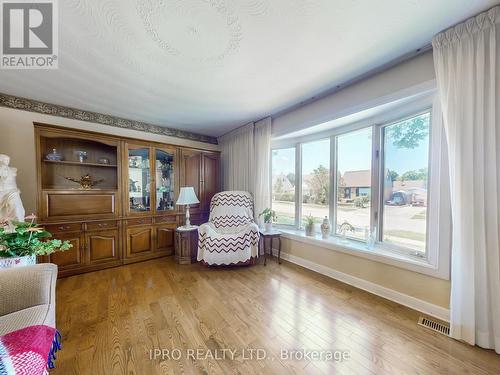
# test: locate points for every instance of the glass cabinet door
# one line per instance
(139, 179)
(164, 176)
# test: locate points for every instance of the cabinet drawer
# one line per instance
(71, 258)
(141, 221)
(165, 219)
(99, 225)
(79, 204)
(103, 246)
(58, 228)
(139, 242)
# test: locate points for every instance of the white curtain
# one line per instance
(467, 63)
(237, 155)
(262, 151)
(245, 157)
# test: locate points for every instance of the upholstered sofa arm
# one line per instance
(24, 287)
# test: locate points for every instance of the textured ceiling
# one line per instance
(208, 66)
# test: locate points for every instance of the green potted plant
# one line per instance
(22, 242)
(269, 218)
(309, 227)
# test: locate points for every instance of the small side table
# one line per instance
(186, 244)
(271, 235)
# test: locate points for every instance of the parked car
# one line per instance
(399, 198)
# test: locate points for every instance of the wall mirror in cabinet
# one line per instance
(165, 180)
(139, 179)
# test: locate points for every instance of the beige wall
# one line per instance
(423, 287)
(383, 87)
(18, 141)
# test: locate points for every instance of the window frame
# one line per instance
(300, 201)
(333, 208)
(435, 262)
(379, 214)
(297, 170)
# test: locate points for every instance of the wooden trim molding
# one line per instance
(30, 105)
(379, 290)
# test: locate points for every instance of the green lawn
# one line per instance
(285, 219)
(420, 216)
(406, 234)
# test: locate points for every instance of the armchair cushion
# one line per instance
(27, 294)
(32, 316)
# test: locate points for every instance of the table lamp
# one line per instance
(187, 196)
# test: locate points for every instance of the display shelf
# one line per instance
(84, 164)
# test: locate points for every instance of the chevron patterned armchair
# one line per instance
(231, 236)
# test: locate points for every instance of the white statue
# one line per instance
(11, 206)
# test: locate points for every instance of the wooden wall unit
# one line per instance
(201, 170)
(131, 214)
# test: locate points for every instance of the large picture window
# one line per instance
(283, 185)
(405, 186)
(354, 181)
(379, 183)
(316, 180)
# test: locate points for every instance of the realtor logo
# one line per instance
(29, 34)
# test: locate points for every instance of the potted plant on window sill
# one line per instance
(309, 227)
(269, 218)
(22, 242)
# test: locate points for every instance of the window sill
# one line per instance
(358, 248)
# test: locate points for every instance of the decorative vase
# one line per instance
(268, 227)
(81, 155)
(309, 230)
(325, 228)
(27, 260)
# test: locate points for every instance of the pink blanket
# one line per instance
(28, 351)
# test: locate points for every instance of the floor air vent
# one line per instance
(434, 325)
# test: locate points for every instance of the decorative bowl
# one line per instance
(27, 260)
(54, 156)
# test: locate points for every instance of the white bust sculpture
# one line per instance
(11, 206)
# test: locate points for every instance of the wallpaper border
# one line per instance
(31, 105)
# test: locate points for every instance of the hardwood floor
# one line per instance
(110, 321)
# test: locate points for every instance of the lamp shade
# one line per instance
(187, 196)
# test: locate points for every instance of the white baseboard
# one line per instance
(390, 294)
